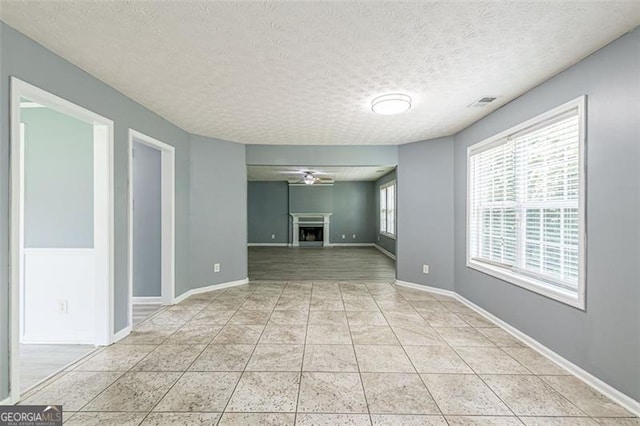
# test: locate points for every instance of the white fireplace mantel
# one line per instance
(317, 219)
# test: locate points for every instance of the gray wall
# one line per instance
(353, 212)
(218, 211)
(147, 221)
(312, 155)
(310, 199)
(58, 199)
(604, 339)
(25, 59)
(389, 244)
(425, 213)
(268, 212)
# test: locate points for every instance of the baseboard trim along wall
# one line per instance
(609, 391)
(212, 287)
(146, 300)
(352, 245)
(268, 245)
(385, 252)
(121, 334)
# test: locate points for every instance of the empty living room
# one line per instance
(319, 213)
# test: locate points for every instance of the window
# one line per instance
(525, 208)
(388, 209)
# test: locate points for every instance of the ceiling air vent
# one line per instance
(483, 101)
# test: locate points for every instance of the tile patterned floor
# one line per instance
(322, 353)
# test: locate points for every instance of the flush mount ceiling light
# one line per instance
(394, 103)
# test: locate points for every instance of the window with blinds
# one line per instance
(526, 204)
(388, 209)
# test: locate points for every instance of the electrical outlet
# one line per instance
(425, 269)
(216, 267)
(273, 236)
(63, 307)
(344, 236)
(354, 236)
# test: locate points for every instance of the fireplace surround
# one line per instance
(311, 229)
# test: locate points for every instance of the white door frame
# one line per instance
(168, 223)
(103, 217)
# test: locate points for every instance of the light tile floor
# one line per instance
(322, 353)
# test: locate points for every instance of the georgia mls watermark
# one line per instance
(30, 415)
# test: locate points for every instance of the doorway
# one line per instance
(151, 226)
(61, 234)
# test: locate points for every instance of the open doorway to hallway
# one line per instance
(151, 226)
(61, 253)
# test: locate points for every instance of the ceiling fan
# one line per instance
(312, 177)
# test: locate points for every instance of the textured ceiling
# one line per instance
(305, 73)
(294, 174)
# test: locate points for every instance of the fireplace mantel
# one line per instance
(317, 219)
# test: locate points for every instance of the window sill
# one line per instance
(384, 234)
(567, 297)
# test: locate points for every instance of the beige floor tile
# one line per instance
(289, 317)
(283, 334)
(276, 358)
(170, 358)
(443, 319)
(558, 421)
(530, 396)
(500, 337)
(324, 304)
(210, 316)
(262, 419)
(194, 334)
(223, 358)
(463, 336)
(383, 359)
(428, 306)
(585, 397)
(418, 335)
(250, 316)
(200, 391)
(149, 334)
(456, 306)
(397, 305)
(366, 318)
(407, 420)
(96, 419)
(293, 304)
(483, 421)
(373, 335)
(535, 362)
(335, 358)
(332, 419)
(490, 360)
(73, 390)
(139, 391)
(239, 334)
(181, 419)
(361, 304)
(327, 318)
(436, 359)
(331, 393)
(390, 393)
(265, 392)
(464, 394)
(225, 304)
(116, 358)
(474, 319)
(611, 421)
(328, 335)
(177, 315)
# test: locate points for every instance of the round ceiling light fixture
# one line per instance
(394, 103)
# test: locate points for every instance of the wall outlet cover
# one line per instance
(344, 236)
(425, 269)
(354, 236)
(216, 267)
(273, 236)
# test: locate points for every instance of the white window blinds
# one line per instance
(388, 209)
(524, 201)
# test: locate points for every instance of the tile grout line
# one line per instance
(304, 351)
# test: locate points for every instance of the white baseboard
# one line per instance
(121, 334)
(146, 300)
(220, 286)
(607, 390)
(268, 245)
(352, 244)
(6, 401)
(385, 252)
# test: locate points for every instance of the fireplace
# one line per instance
(311, 229)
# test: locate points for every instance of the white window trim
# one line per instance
(575, 299)
(395, 201)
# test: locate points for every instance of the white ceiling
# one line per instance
(295, 174)
(305, 73)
